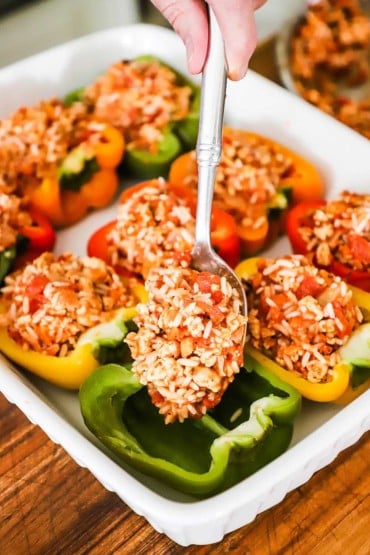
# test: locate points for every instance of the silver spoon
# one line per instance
(208, 151)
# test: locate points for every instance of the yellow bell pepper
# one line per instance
(344, 385)
(70, 371)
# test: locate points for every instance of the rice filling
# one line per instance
(54, 300)
(300, 315)
(188, 346)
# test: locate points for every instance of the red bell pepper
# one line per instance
(298, 216)
(31, 241)
(354, 277)
(224, 235)
(301, 215)
(40, 233)
(97, 246)
(40, 237)
(224, 230)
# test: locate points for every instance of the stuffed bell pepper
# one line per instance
(336, 235)
(308, 327)
(61, 317)
(256, 181)
(154, 107)
(61, 159)
(155, 226)
(184, 411)
(24, 233)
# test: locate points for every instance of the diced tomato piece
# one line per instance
(205, 280)
(35, 292)
(359, 247)
(215, 314)
(157, 398)
(36, 285)
(309, 286)
(345, 328)
(217, 296)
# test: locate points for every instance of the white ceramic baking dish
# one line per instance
(322, 431)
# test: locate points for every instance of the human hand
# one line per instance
(236, 21)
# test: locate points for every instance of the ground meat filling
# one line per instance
(299, 315)
(248, 178)
(340, 230)
(139, 98)
(153, 227)
(188, 346)
(13, 217)
(35, 140)
(329, 49)
(52, 301)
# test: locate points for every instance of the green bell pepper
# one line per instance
(147, 165)
(8, 256)
(250, 427)
(178, 137)
(77, 95)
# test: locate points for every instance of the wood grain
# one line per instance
(49, 506)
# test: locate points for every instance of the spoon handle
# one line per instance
(209, 143)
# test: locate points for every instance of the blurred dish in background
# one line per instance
(29, 26)
(274, 14)
(324, 55)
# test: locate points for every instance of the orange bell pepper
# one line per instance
(110, 148)
(81, 183)
(303, 182)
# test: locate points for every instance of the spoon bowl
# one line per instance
(206, 260)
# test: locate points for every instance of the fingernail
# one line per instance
(236, 72)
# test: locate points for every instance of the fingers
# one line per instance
(190, 21)
(239, 31)
(236, 20)
(258, 3)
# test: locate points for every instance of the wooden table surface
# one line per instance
(49, 505)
